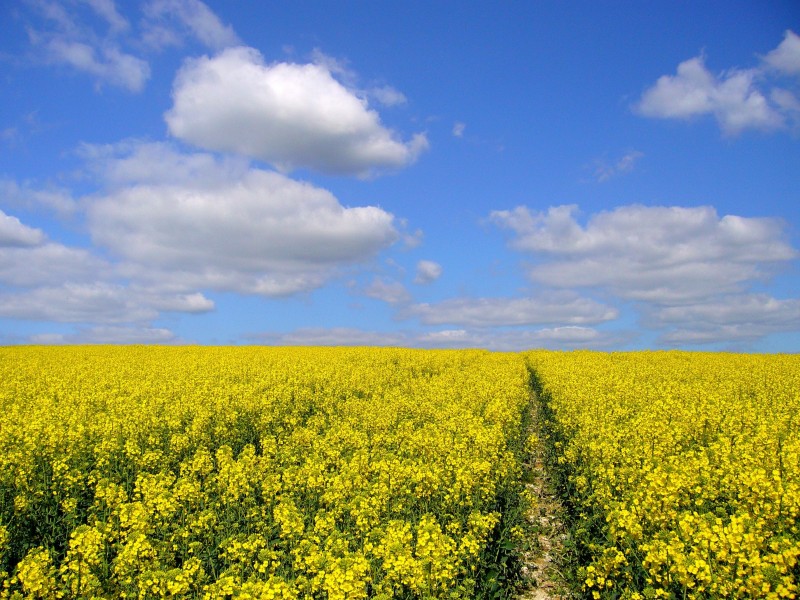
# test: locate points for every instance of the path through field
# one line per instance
(542, 562)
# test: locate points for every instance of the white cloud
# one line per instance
(555, 338)
(43, 280)
(334, 336)
(738, 99)
(256, 232)
(788, 102)
(95, 303)
(289, 115)
(732, 99)
(605, 170)
(30, 197)
(109, 334)
(66, 36)
(14, 234)
(134, 163)
(663, 255)
(387, 95)
(108, 11)
(737, 317)
(513, 341)
(427, 272)
(107, 62)
(554, 307)
(192, 16)
(68, 40)
(458, 129)
(48, 264)
(392, 292)
(786, 57)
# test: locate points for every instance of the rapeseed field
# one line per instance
(146, 472)
(681, 470)
(335, 473)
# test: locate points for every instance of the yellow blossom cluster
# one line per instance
(150, 472)
(681, 470)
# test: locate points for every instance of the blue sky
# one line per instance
(609, 175)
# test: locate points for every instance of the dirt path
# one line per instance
(542, 562)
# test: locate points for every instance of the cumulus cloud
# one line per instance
(737, 317)
(190, 17)
(289, 115)
(333, 336)
(732, 98)
(738, 99)
(95, 303)
(13, 233)
(557, 338)
(48, 263)
(786, 57)
(392, 292)
(548, 308)
(664, 255)
(257, 232)
(427, 272)
(109, 334)
(132, 163)
(458, 129)
(554, 338)
(32, 197)
(43, 280)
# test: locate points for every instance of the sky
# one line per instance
(502, 175)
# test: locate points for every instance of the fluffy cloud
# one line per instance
(657, 254)
(109, 334)
(32, 197)
(13, 233)
(738, 98)
(392, 292)
(733, 99)
(555, 338)
(257, 232)
(133, 163)
(427, 272)
(49, 264)
(739, 317)
(786, 57)
(517, 340)
(43, 280)
(289, 115)
(333, 336)
(561, 308)
(96, 303)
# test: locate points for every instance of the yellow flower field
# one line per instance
(681, 470)
(334, 473)
(146, 472)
